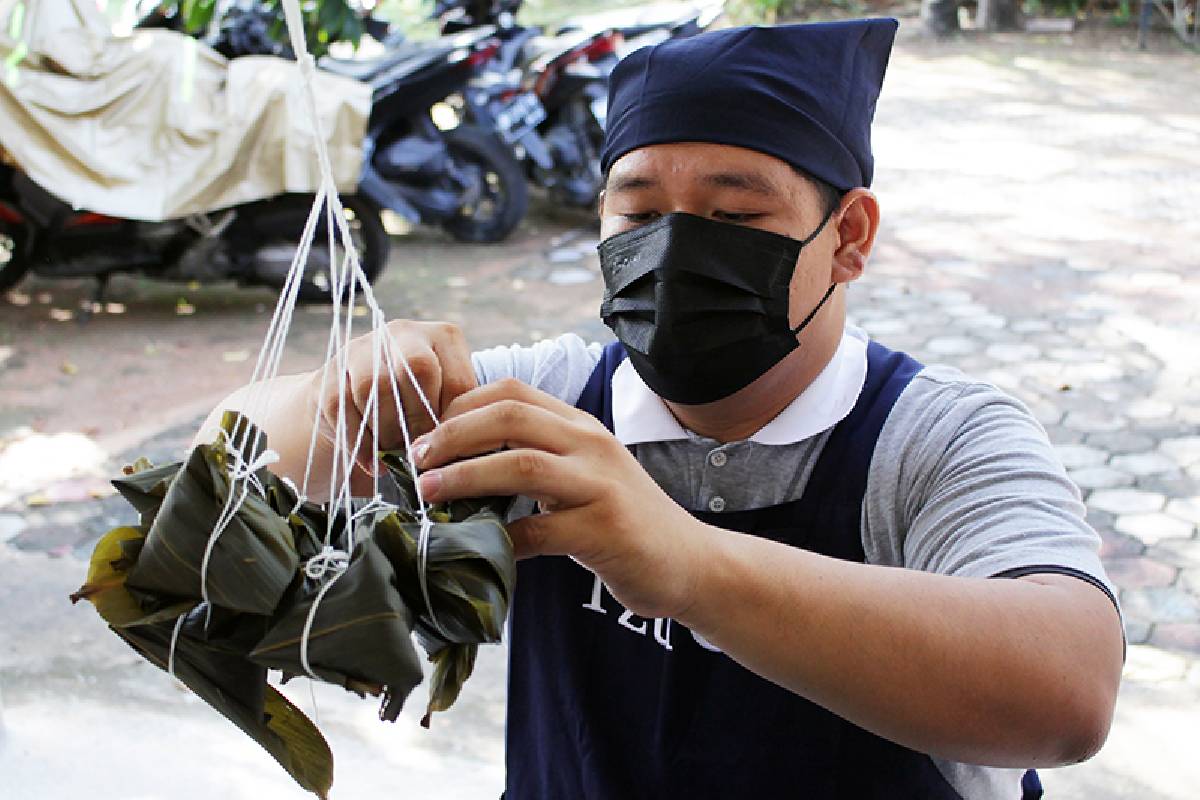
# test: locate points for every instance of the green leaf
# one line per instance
(238, 690)
(361, 632)
(254, 559)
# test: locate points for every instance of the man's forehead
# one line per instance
(714, 165)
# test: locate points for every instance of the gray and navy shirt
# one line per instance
(963, 480)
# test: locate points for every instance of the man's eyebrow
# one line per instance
(631, 183)
(745, 181)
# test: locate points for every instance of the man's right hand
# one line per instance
(440, 361)
(438, 357)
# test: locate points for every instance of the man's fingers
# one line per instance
(458, 374)
(505, 424)
(544, 534)
(422, 362)
(534, 473)
(508, 389)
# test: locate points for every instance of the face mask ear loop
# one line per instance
(821, 227)
(828, 292)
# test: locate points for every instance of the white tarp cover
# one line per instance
(156, 125)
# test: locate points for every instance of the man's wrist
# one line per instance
(707, 576)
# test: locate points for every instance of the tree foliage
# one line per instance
(325, 21)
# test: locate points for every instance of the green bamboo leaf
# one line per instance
(361, 632)
(238, 690)
(105, 585)
(254, 559)
(452, 666)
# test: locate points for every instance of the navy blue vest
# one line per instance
(603, 705)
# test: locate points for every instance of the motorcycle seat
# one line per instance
(540, 50)
(405, 59)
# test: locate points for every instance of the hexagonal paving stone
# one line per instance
(949, 297)
(1010, 353)
(1030, 326)
(1077, 456)
(965, 310)
(1183, 553)
(1072, 355)
(1151, 463)
(1094, 422)
(1154, 527)
(1189, 580)
(1119, 545)
(1178, 636)
(951, 345)
(1091, 372)
(1100, 478)
(1139, 573)
(985, 325)
(1160, 604)
(878, 327)
(1126, 501)
(1184, 449)
(1151, 665)
(11, 525)
(1186, 508)
(1172, 484)
(1137, 632)
(1149, 409)
(1120, 441)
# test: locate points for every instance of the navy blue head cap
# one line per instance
(802, 93)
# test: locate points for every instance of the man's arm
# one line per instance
(1015, 673)
(288, 407)
(1000, 672)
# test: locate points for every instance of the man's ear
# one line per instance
(600, 204)
(857, 223)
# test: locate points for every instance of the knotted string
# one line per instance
(347, 279)
(171, 648)
(245, 472)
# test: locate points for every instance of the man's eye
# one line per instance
(738, 218)
(640, 217)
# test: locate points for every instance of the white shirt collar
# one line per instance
(640, 416)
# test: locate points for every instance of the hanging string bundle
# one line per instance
(233, 570)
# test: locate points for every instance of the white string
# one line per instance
(347, 278)
(246, 473)
(171, 648)
(308, 623)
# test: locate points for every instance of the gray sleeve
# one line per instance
(559, 367)
(964, 481)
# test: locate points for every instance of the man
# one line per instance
(801, 565)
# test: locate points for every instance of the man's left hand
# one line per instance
(599, 505)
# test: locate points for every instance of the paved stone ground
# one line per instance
(1040, 218)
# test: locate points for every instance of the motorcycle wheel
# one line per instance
(276, 226)
(13, 262)
(504, 196)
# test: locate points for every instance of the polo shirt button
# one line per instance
(717, 458)
(716, 504)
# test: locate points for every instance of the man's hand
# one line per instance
(439, 359)
(599, 505)
(436, 353)
(961, 668)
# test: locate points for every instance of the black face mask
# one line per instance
(701, 306)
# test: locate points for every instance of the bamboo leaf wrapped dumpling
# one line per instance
(254, 558)
(361, 633)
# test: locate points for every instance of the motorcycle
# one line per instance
(253, 243)
(547, 96)
(464, 178)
